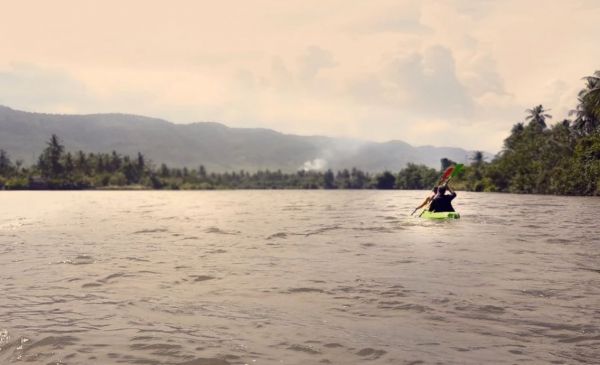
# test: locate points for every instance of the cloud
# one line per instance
(23, 85)
(482, 77)
(475, 9)
(52, 90)
(385, 69)
(314, 60)
(420, 82)
(559, 98)
(393, 22)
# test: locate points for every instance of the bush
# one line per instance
(16, 183)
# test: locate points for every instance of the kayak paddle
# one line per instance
(445, 175)
(457, 169)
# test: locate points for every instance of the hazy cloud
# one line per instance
(314, 60)
(30, 87)
(399, 18)
(421, 83)
(457, 72)
(25, 85)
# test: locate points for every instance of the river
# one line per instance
(297, 277)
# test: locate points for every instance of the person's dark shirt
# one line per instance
(442, 203)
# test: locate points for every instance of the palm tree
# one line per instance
(587, 113)
(50, 160)
(593, 92)
(537, 116)
(477, 158)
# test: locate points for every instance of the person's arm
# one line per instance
(425, 202)
(452, 192)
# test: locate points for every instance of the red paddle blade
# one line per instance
(447, 173)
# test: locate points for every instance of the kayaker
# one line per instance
(442, 202)
(427, 200)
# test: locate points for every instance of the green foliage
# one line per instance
(329, 180)
(418, 177)
(587, 112)
(586, 162)
(57, 169)
(16, 183)
(6, 167)
(385, 180)
(50, 161)
(563, 159)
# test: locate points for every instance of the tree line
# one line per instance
(563, 158)
(58, 169)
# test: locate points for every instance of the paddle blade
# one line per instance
(457, 169)
(447, 173)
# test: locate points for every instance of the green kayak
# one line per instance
(440, 215)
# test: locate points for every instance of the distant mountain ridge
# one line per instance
(218, 147)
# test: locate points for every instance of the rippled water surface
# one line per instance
(297, 277)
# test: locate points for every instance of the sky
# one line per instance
(446, 73)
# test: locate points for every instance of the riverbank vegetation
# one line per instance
(563, 158)
(57, 169)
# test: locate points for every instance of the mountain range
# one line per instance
(23, 135)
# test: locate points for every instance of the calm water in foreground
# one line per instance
(297, 277)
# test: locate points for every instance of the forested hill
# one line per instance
(23, 136)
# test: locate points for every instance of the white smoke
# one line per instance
(317, 164)
(335, 154)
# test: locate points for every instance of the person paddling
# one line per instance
(427, 200)
(442, 202)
